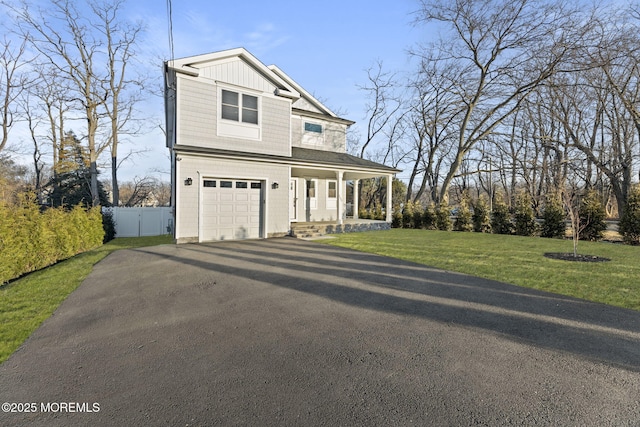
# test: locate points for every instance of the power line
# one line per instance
(170, 23)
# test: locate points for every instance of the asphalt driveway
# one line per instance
(287, 332)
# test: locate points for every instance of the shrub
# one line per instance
(629, 226)
(501, 218)
(109, 226)
(417, 215)
(481, 218)
(443, 217)
(592, 216)
(553, 219)
(377, 213)
(524, 219)
(463, 220)
(429, 218)
(396, 217)
(407, 215)
(31, 240)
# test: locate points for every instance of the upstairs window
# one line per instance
(312, 127)
(239, 107)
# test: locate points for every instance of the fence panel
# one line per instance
(136, 222)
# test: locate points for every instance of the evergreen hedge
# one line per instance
(31, 239)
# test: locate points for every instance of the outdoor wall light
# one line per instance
(188, 181)
(275, 185)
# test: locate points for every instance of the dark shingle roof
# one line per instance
(336, 159)
(299, 157)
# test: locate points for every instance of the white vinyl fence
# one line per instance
(136, 222)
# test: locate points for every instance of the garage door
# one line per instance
(231, 209)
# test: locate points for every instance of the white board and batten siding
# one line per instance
(138, 221)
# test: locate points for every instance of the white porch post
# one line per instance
(339, 197)
(389, 197)
(356, 184)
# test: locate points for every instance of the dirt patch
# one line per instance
(569, 256)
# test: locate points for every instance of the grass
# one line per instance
(516, 260)
(25, 303)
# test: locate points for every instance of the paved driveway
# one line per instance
(286, 332)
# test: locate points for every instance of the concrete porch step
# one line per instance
(306, 231)
(310, 230)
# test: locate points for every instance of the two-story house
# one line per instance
(252, 152)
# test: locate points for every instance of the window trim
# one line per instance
(310, 137)
(332, 201)
(229, 127)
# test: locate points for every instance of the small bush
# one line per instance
(429, 218)
(524, 219)
(592, 216)
(109, 226)
(629, 226)
(501, 218)
(417, 215)
(553, 219)
(443, 217)
(481, 216)
(463, 220)
(396, 218)
(407, 215)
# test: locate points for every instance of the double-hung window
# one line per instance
(239, 107)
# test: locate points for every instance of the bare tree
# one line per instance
(123, 92)
(12, 83)
(139, 192)
(502, 50)
(89, 51)
(383, 103)
(432, 110)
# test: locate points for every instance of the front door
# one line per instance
(293, 199)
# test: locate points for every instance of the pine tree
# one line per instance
(463, 220)
(629, 225)
(553, 219)
(481, 217)
(501, 218)
(592, 216)
(443, 217)
(524, 220)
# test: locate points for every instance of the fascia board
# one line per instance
(191, 64)
(300, 89)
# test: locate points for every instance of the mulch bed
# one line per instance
(568, 256)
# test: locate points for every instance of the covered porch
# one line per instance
(318, 186)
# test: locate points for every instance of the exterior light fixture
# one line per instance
(275, 185)
(188, 181)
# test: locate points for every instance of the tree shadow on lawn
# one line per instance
(374, 282)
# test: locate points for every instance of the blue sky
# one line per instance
(325, 46)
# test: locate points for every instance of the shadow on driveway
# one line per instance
(586, 329)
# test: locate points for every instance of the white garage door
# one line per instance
(231, 209)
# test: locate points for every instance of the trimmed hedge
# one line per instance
(31, 239)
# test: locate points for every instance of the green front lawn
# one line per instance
(513, 259)
(28, 301)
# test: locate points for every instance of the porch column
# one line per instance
(356, 184)
(389, 197)
(339, 197)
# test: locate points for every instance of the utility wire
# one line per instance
(170, 22)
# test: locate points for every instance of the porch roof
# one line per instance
(300, 157)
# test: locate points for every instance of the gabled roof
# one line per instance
(285, 85)
(191, 65)
(319, 105)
